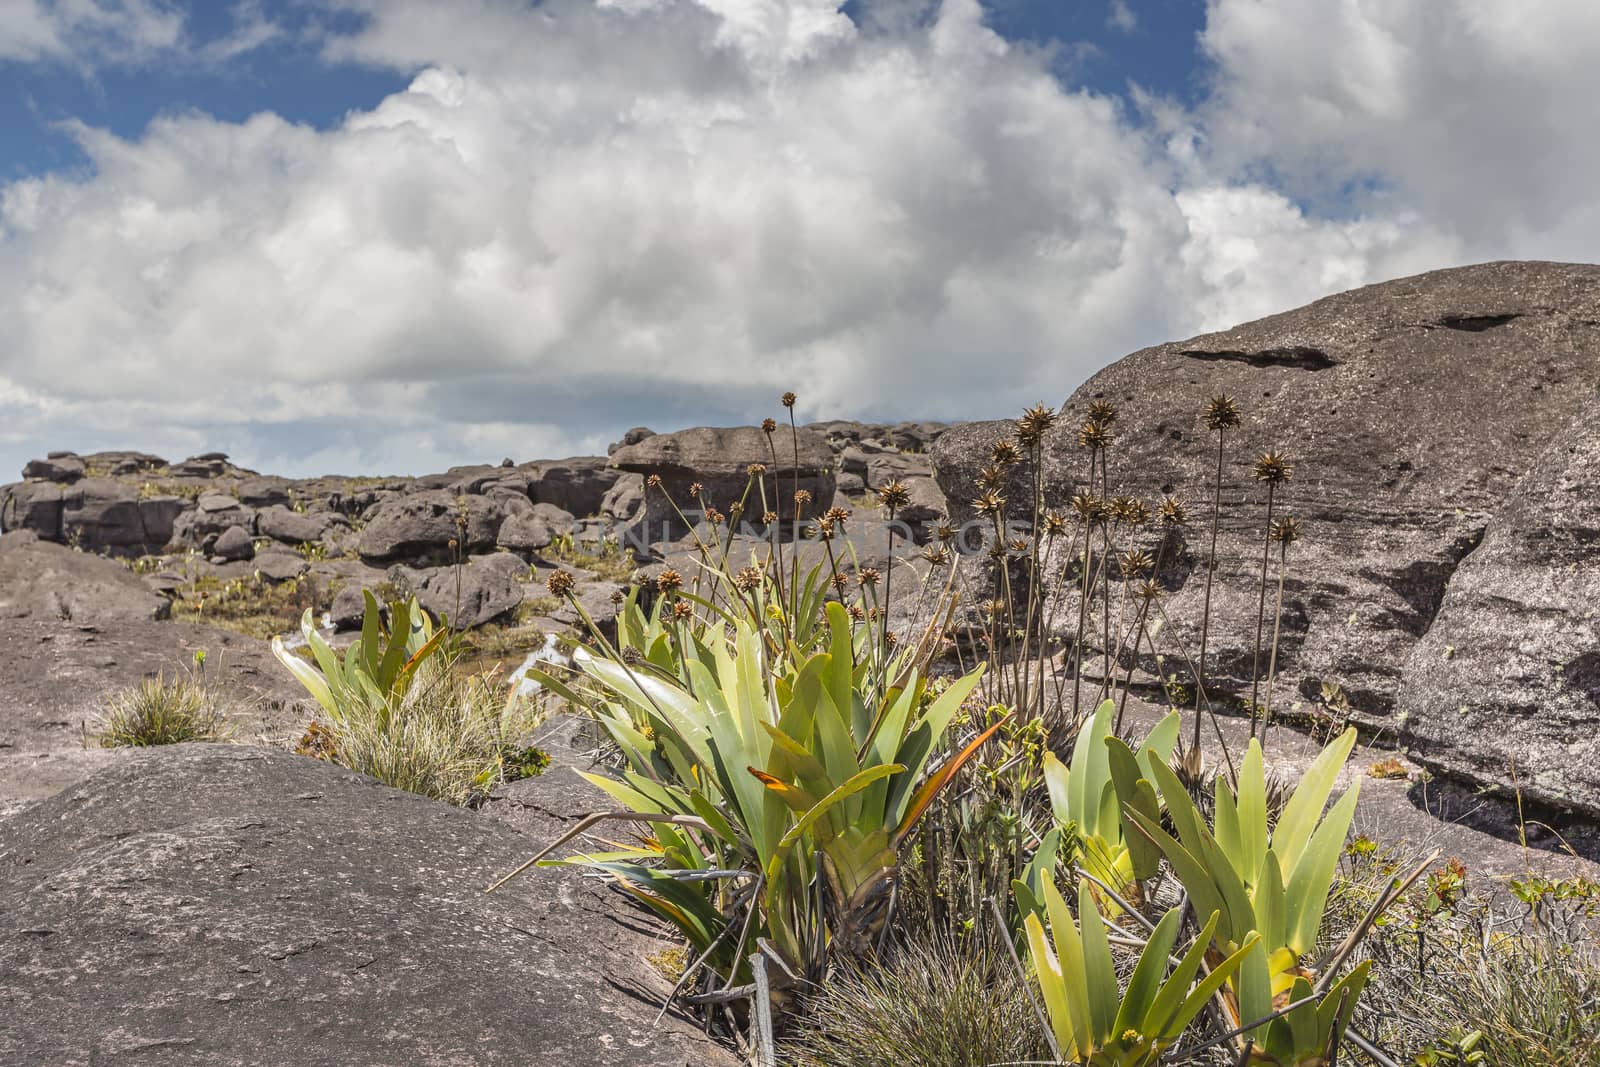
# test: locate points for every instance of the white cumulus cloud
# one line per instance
(583, 215)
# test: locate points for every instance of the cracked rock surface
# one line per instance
(1413, 411)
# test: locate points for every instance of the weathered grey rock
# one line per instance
(233, 544)
(121, 463)
(483, 590)
(213, 513)
(57, 674)
(159, 514)
(631, 437)
(578, 484)
(535, 527)
(262, 492)
(31, 506)
(57, 467)
(279, 566)
(422, 525)
(99, 514)
(1410, 410)
(963, 451)
(41, 580)
(718, 458)
(293, 527)
(230, 905)
(927, 505)
(624, 500)
(1506, 683)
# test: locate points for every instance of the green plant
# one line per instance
(801, 776)
(1272, 885)
(1088, 813)
(1095, 1021)
(159, 712)
(935, 1002)
(398, 710)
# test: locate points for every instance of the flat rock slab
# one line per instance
(55, 677)
(230, 905)
(41, 580)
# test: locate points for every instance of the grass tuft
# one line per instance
(159, 712)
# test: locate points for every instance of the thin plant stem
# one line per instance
(1211, 573)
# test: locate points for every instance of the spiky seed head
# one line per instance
(714, 517)
(1174, 512)
(617, 596)
(937, 555)
(1019, 545)
(1150, 589)
(891, 639)
(895, 495)
(1102, 412)
(992, 480)
(868, 577)
(1272, 468)
(789, 399)
(769, 517)
(1089, 508)
(1004, 453)
(769, 426)
(824, 529)
(1094, 436)
(1034, 424)
(668, 582)
(756, 470)
(736, 508)
(944, 533)
(1286, 531)
(857, 612)
(990, 504)
(840, 582)
(632, 656)
(559, 583)
(997, 608)
(1135, 562)
(653, 482)
(695, 489)
(1221, 413)
(802, 498)
(1055, 524)
(682, 610)
(747, 579)
(454, 544)
(838, 516)
(1130, 512)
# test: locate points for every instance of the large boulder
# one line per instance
(1410, 410)
(1506, 683)
(534, 526)
(293, 527)
(230, 905)
(481, 591)
(34, 507)
(577, 485)
(421, 526)
(56, 467)
(718, 458)
(41, 580)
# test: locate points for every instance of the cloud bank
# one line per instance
(587, 214)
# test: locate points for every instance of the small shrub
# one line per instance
(159, 712)
(934, 1004)
(399, 710)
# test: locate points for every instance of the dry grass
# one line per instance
(159, 712)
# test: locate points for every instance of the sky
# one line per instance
(389, 236)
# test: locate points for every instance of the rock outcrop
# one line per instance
(40, 580)
(230, 905)
(1411, 411)
(718, 459)
(1506, 683)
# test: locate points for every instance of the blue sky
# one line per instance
(396, 235)
(1154, 47)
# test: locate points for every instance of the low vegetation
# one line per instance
(159, 711)
(925, 830)
(398, 709)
